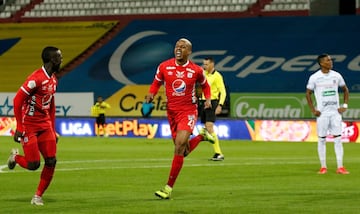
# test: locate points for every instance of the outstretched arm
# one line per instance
(154, 88)
(207, 93)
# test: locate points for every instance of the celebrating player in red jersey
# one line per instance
(34, 110)
(180, 76)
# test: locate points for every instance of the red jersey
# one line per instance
(34, 101)
(179, 82)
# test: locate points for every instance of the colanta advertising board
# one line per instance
(282, 106)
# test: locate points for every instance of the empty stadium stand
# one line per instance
(280, 5)
(18, 9)
(94, 8)
(15, 10)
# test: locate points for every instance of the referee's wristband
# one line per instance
(345, 105)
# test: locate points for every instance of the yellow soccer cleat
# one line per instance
(207, 136)
(164, 193)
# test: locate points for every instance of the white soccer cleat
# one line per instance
(218, 157)
(37, 200)
(11, 160)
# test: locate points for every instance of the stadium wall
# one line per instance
(251, 53)
(264, 57)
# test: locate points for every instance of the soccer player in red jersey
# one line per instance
(180, 76)
(34, 110)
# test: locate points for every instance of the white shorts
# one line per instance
(329, 125)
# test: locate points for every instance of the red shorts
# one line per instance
(38, 139)
(182, 120)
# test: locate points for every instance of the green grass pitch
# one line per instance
(120, 175)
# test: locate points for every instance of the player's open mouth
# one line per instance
(178, 53)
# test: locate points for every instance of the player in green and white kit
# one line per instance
(325, 83)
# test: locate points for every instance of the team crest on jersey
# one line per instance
(31, 84)
(190, 70)
(191, 117)
(189, 75)
(179, 86)
(179, 74)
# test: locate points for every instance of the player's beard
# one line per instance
(56, 68)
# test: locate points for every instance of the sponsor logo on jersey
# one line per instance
(32, 106)
(329, 93)
(179, 87)
(329, 103)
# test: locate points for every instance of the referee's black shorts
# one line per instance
(207, 115)
(100, 120)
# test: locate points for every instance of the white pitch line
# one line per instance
(3, 167)
(211, 164)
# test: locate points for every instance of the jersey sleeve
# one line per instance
(341, 81)
(204, 84)
(221, 86)
(18, 102)
(310, 84)
(52, 113)
(157, 82)
(30, 85)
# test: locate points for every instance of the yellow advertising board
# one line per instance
(25, 41)
(128, 100)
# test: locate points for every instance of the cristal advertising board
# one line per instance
(128, 101)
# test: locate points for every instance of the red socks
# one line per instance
(178, 160)
(176, 166)
(45, 179)
(194, 142)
